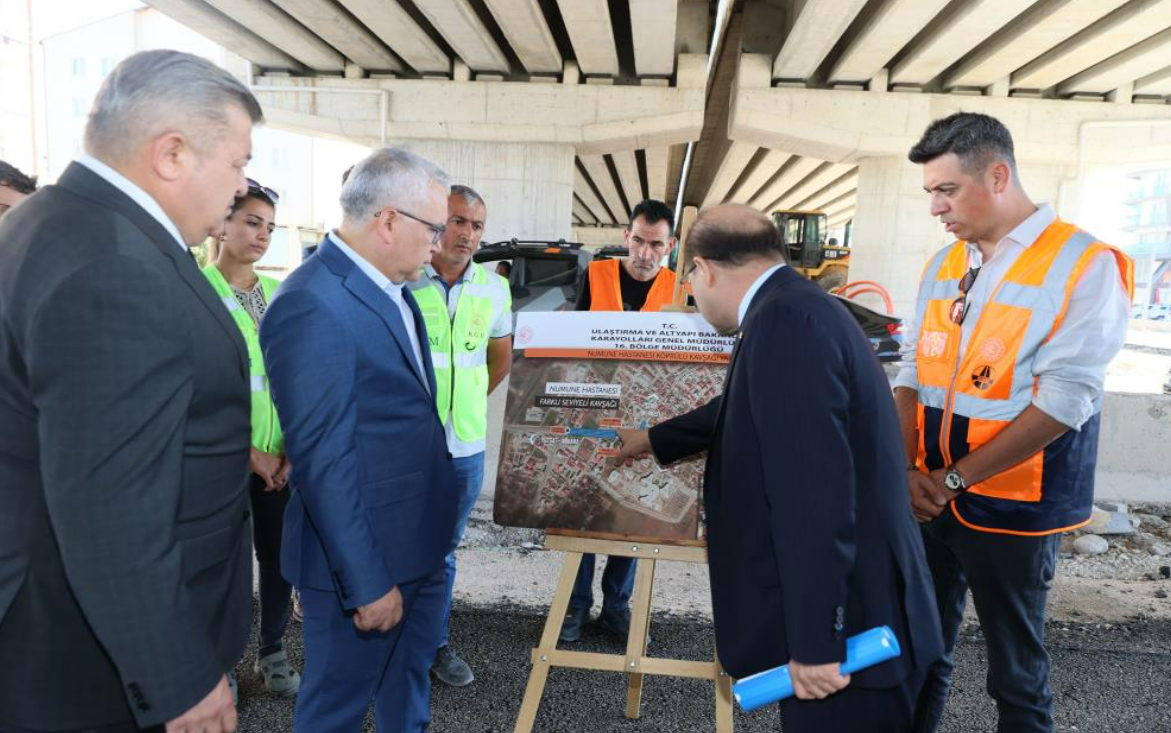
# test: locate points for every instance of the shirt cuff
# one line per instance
(1068, 403)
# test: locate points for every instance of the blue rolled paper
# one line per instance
(863, 650)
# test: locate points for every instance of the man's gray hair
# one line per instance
(155, 92)
(389, 177)
(468, 194)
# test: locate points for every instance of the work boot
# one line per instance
(450, 669)
(616, 622)
(279, 678)
(575, 618)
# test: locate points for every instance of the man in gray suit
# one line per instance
(125, 574)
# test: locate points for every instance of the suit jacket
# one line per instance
(373, 487)
(125, 567)
(810, 532)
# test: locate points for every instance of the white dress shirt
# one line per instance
(140, 197)
(746, 301)
(1071, 366)
(394, 291)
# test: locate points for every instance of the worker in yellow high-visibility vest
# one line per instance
(468, 313)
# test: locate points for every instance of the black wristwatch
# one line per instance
(954, 481)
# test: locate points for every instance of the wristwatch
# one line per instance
(954, 481)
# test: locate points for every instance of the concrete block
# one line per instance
(600, 80)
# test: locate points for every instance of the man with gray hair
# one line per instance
(125, 572)
(372, 513)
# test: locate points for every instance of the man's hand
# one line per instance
(266, 466)
(281, 479)
(381, 615)
(924, 499)
(816, 681)
(215, 713)
(632, 444)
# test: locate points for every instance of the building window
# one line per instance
(78, 68)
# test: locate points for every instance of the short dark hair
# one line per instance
(976, 139)
(755, 238)
(13, 178)
(346, 174)
(654, 211)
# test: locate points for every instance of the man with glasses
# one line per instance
(999, 398)
(468, 312)
(638, 282)
(372, 512)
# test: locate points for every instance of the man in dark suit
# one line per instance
(810, 534)
(372, 514)
(125, 571)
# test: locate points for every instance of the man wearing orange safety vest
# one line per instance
(999, 398)
(637, 283)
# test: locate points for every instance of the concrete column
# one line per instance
(528, 186)
(894, 232)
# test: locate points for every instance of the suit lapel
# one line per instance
(778, 279)
(364, 289)
(84, 182)
(421, 334)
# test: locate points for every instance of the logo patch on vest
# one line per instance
(933, 344)
(984, 377)
(992, 349)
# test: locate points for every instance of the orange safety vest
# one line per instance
(966, 399)
(606, 292)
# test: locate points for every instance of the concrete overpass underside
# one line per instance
(567, 112)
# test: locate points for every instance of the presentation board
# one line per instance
(576, 377)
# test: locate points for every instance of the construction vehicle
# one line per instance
(804, 234)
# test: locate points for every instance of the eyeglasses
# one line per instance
(959, 306)
(437, 230)
(255, 187)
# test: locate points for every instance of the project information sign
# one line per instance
(575, 378)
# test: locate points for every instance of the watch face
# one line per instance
(952, 481)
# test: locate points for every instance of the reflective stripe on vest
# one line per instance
(266, 428)
(966, 399)
(459, 350)
(606, 288)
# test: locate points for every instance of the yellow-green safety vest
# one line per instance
(266, 429)
(462, 348)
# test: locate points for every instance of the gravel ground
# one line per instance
(1106, 677)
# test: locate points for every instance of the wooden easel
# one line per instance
(634, 663)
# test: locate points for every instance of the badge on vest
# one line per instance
(984, 377)
(933, 344)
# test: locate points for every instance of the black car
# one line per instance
(543, 275)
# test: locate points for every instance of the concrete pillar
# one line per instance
(528, 186)
(894, 232)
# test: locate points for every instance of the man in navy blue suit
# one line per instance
(372, 511)
(810, 533)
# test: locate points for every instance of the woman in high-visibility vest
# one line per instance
(246, 294)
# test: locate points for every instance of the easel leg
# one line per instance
(636, 643)
(723, 701)
(540, 673)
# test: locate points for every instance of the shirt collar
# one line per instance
(433, 274)
(1028, 231)
(136, 194)
(746, 301)
(383, 282)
